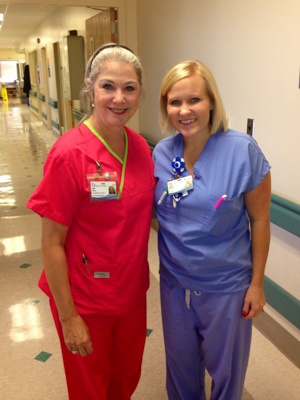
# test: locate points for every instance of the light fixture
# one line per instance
(3, 11)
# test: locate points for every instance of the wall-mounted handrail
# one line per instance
(285, 214)
(52, 103)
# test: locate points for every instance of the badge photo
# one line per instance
(103, 186)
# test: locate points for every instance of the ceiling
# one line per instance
(20, 20)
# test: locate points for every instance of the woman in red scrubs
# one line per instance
(94, 239)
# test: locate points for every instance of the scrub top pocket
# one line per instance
(96, 289)
(219, 220)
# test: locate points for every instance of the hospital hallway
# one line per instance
(30, 359)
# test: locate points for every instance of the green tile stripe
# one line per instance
(282, 301)
(32, 302)
(25, 266)
(42, 97)
(43, 356)
(44, 116)
(33, 93)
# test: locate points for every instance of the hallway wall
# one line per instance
(73, 16)
(252, 48)
(11, 54)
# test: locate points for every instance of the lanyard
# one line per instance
(123, 162)
(178, 187)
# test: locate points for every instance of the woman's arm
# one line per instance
(75, 331)
(257, 203)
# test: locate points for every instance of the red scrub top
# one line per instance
(112, 234)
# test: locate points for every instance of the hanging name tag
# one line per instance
(103, 186)
(180, 185)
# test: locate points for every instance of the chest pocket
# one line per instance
(217, 221)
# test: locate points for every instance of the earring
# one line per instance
(93, 105)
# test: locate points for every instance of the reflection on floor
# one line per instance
(30, 361)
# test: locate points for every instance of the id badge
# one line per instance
(180, 185)
(103, 186)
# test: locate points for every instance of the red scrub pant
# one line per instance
(113, 371)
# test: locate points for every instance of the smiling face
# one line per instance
(188, 106)
(115, 94)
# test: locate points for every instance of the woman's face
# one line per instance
(115, 94)
(188, 106)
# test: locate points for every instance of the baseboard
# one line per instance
(282, 334)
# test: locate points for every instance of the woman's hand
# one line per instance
(75, 331)
(77, 336)
(254, 302)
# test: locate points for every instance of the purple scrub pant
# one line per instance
(204, 330)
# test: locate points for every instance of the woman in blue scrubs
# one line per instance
(212, 202)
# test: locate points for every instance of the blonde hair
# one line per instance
(185, 69)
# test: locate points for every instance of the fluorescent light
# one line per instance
(1, 17)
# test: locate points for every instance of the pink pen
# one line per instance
(220, 200)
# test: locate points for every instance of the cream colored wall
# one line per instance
(10, 54)
(252, 48)
(52, 30)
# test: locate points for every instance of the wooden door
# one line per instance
(100, 29)
(46, 87)
(59, 88)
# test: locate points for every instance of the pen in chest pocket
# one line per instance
(220, 200)
(85, 262)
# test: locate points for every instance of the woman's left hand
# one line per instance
(254, 302)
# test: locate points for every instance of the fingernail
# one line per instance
(244, 313)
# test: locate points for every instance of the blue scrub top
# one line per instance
(201, 247)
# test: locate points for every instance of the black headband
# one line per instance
(104, 47)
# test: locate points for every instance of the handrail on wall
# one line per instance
(52, 103)
(285, 214)
(33, 93)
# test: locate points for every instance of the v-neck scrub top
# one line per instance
(201, 247)
(112, 234)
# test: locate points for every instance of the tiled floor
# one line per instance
(30, 360)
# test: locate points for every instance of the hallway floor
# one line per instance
(30, 360)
